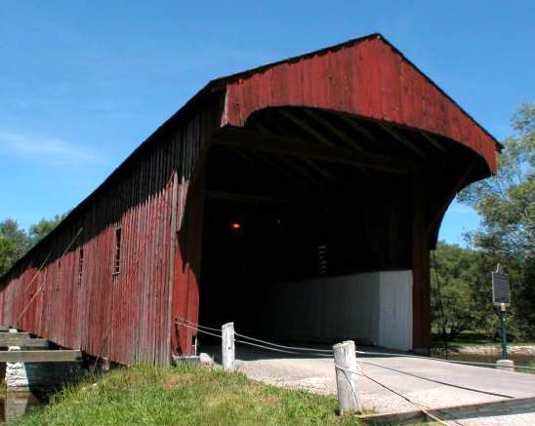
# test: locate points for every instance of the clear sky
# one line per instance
(82, 83)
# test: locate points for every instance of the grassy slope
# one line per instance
(184, 396)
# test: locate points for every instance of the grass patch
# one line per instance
(186, 395)
(471, 338)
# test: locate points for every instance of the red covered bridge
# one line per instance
(299, 200)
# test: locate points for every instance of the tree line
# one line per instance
(14, 241)
(461, 277)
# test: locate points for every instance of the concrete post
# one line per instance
(505, 364)
(16, 374)
(345, 361)
(227, 346)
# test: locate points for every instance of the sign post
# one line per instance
(501, 296)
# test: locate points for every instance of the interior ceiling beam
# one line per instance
(292, 164)
(433, 141)
(405, 141)
(276, 165)
(319, 169)
(332, 128)
(250, 159)
(237, 137)
(304, 126)
(310, 163)
(369, 135)
(246, 198)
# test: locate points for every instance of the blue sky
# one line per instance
(82, 83)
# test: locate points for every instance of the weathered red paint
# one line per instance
(156, 197)
(367, 77)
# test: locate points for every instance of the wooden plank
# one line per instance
(24, 342)
(421, 301)
(327, 124)
(41, 356)
(486, 409)
(245, 198)
(22, 335)
(433, 141)
(405, 141)
(300, 123)
(239, 138)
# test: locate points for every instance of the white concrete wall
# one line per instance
(373, 307)
(395, 310)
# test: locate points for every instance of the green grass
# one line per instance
(470, 338)
(184, 396)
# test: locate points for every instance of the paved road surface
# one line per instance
(317, 375)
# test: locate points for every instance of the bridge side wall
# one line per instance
(105, 279)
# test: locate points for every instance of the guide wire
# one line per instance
(450, 361)
(419, 406)
(436, 381)
(283, 350)
(42, 286)
(265, 342)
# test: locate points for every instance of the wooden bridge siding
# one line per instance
(127, 320)
(369, 78)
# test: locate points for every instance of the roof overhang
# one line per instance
(367, 77)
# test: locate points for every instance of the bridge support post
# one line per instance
(39, 377)
(16, 374)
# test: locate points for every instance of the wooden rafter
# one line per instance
(304, 126)
(319, 169)
(405, 141)
(247, 198)
(332, 128)
(369, 135)
(238, 137)
(433, 141)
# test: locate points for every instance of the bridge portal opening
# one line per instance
(308, 236)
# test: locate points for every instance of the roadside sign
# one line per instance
(500, 287)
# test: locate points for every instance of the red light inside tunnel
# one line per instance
(235, 226)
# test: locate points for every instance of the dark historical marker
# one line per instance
(501, 296)
(500, 287)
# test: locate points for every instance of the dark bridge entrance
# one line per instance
(315, 221)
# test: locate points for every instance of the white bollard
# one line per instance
(227, 346)
(345, 361)
(505, 365)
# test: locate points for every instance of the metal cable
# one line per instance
(389, 354)
(199, 325)
(419, 406)
(265, 342)
(282, 350)
(42, 286)
(436, 381)
(296, 348)
(329, 351)
(199, 330)
(37, 273)
(353, 391)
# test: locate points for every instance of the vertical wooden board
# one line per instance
(420, 262)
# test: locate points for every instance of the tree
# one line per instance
(506, 204)
(452, 274)
(13, 244)
(43, 228)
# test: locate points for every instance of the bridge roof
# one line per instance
(367, 77)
